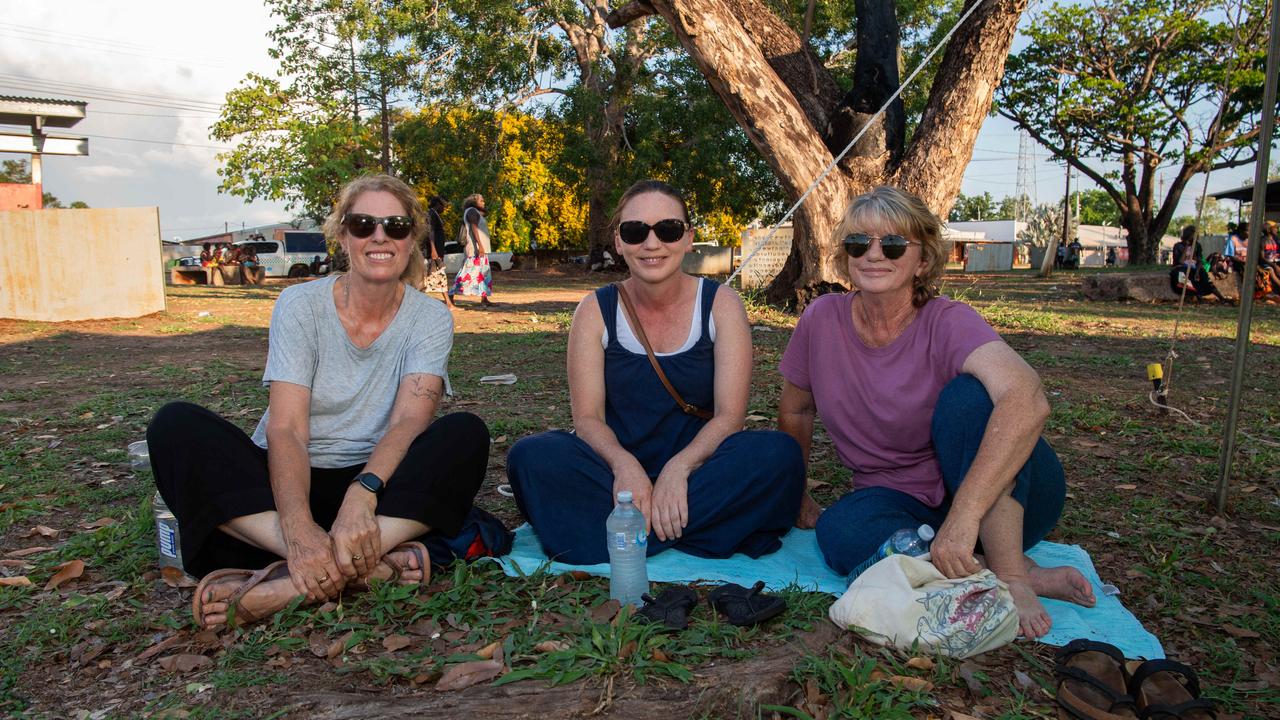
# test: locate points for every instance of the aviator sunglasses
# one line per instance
(892, 245)
(634, 232)
(397, 227)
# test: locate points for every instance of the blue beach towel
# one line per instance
(800, 563)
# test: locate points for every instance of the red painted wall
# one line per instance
(21, 197)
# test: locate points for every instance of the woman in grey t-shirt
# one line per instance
(346, 468)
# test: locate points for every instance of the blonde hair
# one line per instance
(351, 192)
(904, 213)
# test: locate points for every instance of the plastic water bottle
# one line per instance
(168, 541)
(907, 541)
(628, 545)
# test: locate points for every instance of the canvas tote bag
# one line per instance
(902, 599)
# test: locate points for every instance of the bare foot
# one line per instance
(1061, 583)
(263, 600)
(406, 561)
(1033, 620)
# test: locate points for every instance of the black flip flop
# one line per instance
(743, 607)
(671, 608)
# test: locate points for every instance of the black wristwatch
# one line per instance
(370, 482)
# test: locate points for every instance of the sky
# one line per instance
(154, 74)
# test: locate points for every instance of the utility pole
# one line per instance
(1066, 211)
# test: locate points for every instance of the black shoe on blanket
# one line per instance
(671, 608)
(744, 607)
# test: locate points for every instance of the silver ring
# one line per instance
(323, 579)
(357, 557)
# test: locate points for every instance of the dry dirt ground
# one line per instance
(74, 394)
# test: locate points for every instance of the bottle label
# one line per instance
(620, 540)
(168, 540)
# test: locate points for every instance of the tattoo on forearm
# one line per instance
(422, 390)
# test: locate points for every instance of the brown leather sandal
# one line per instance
(1169, 690)
(1092, 683)
(252, 578)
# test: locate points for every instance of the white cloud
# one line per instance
(100, 172)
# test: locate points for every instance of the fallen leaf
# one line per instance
(318, 643)
(184, 663)
(157, 648)
(175, 578)
(579, 574)
(15, 581)
(605, 611)
(1240, 632)
(969, 673)
(1127, 486)
(69, 570)
(756, 418)
(338, 646)
(42, 531)
(911, 683)
(548, 646)
(660, 656)
(487, 651)
(99, 523)
(957, 715)
(117, 590)
(1249, 489)
(920, 663)
(393, 643)
(500, 439)
(464, 675)
(1024, 680)
(424, 626)
(29, 551)
(627, 650)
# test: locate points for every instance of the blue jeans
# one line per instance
(851, 530)
(744, 498)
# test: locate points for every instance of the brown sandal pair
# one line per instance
(1094, 683)
(238, 615)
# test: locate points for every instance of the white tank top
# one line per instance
(627, 338)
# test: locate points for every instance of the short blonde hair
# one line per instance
(412, 275)
(904, 213)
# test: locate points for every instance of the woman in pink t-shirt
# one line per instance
(937, 417)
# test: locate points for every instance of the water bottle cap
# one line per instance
(926, 533)
(624, 496)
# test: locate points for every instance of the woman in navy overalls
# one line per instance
(705, 486)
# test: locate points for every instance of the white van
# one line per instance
(302, 252)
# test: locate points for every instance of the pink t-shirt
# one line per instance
(877, 403)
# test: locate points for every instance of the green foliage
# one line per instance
(1213, 218)
(975, 207)
(1096, 208)
(317, 124)
(514, 159)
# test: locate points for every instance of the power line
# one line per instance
(138, 96)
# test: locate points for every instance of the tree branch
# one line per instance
(629, 13)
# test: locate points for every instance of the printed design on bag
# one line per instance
(960, 618)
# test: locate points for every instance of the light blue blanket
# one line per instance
(800, 563)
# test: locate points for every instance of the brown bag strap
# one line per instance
(644, 342)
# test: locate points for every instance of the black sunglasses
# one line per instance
(397, 227)
(634, 232)
(893, 246)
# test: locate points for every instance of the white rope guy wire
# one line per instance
(834, 161)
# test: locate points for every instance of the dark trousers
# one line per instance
(852, 529)
(210, 472)
(744, 498)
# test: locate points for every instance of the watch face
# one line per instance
(370, 482)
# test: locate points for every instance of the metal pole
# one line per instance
(1257, 216)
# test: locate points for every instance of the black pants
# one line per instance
(210, 472)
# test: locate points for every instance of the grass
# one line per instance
(1137, 482)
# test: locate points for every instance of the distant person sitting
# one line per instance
(208, 258)
(1192, 279)
(1111, 257)
(1074, 250)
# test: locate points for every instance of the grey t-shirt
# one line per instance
(352, 389)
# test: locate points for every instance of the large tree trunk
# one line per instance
(785, 102)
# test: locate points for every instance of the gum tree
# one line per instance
(1147, 84)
